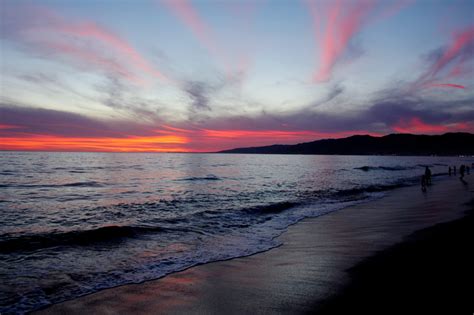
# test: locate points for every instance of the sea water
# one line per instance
(75, 223)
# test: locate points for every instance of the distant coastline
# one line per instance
(448, 144)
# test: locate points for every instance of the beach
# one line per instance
(236, 157)
(314, 268)
(430, 272)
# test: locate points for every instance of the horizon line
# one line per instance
(233, 148)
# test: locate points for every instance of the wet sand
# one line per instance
(430, 272)
(312, 270)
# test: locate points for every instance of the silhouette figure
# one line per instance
(454, 169)
(462, 168)
(428, 176)
(423, 183)
(449, 171)
(468, 169)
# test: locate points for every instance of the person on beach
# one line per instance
(423, 183)
(454, 170)
(449, 171)
(461, 170)
(428, 176)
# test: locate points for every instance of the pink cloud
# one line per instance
(455, 51)
(416, 125)
(451, 62)
(89, 58)
(335, 26)
(89, 30)
(316, 18)
(451, 85)
(83, 42)
(186, 12)
(343, 22)
(189, 16)
(244, 9)
(392, 9)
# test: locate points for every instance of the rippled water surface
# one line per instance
(74, 223)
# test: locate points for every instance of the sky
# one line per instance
(209, 75)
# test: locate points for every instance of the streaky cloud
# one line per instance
(335, 27)
(30, 120)
(392, 8)
(380, 116)
(188, 14)
(81, 42)
(449, 62)
(43, 129)
(460, 48)
(199, 94)
(450, 85)
(416, 125)
(342, 23)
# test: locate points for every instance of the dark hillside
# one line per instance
(393, 144)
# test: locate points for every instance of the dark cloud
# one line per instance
(113, 93)
(390, 112)
(379, 117)
(52, 122)
(334, 91)
(121, 97)
(199, 93)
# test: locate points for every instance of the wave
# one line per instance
(75, 184)
(373, 188)
(73, 238)
(385, 168)
(431, 165)
(204, 178)
(271, 208)
(8, 173)
(83, 184)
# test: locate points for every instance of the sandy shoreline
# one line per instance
(430, 272)
(309, 268)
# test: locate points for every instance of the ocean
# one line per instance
(75, 223)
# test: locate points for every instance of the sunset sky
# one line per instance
(206, 75)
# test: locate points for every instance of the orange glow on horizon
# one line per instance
(166, 143)
(169, 139)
